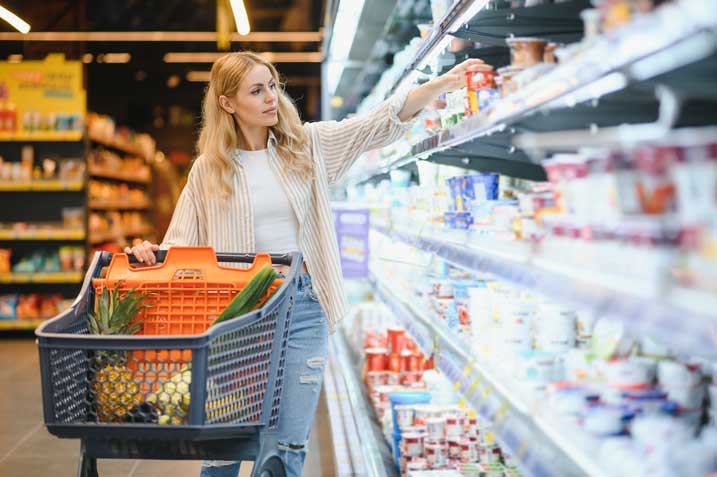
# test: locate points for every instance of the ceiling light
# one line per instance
(18, 23)
(116, 57)
(198, 76)
(240, 16)
(87, 58)
(344, 29)
(140, 75)
(274, 57)
(14, 58)
(173, 81)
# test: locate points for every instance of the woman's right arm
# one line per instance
(183, 229)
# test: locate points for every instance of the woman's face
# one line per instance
(256, 103)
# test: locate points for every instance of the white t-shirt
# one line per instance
(276, 229)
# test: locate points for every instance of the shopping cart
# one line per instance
(112, 392)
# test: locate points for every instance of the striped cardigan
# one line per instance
(201, 219)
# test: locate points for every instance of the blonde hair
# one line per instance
(219, 136)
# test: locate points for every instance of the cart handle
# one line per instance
(276, 259)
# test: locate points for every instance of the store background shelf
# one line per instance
(6, 325)
(108, 174)
(100, 237)
(641, 308)
(41, 186)
(68, 136)
(42, 277)
(119, 145)
(543, 445)
(119, 205)
(42, 234)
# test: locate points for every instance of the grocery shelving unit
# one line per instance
(649, 82)
(612, 83)
(641, 308)
(544, 445)
(38, 204)
(137, 179)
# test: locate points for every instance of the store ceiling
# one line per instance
(133, 91)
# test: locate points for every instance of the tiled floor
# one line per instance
(28, 450)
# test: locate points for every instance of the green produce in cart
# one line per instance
(173, 398)
(250, 296)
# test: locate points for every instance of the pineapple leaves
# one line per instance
(115, 315)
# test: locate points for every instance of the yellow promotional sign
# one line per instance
(42, 100)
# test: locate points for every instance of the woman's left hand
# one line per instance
(456, 77)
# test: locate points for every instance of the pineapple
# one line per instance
(115, 391)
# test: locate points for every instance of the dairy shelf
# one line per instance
(676, 38)
(674, 318)
(542, 444)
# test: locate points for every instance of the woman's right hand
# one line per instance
(144, 252)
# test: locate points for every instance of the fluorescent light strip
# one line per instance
(17, 23)
(240, 16)
(203, 77)
(344, 28)
(274, 57)
(114, 58)
(163, 36)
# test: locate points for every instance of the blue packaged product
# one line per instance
(454, 188)
(486, 97)
(450, 219)
(8, 306)
(463, 220)
(406, 397)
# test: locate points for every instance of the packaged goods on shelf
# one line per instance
(103, 129)
(127, 194)
(107, 162)
(50, 168)
(63, 259)
(421, 417)
(32, 306)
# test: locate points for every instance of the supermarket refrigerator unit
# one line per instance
(544, 238)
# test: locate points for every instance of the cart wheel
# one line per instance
(273, 467)
(87, 467)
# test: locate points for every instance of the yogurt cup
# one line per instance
(672, 373)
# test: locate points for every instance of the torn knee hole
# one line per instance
(291, 447)
(315, 363)
(310, 379)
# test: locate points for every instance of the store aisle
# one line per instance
(28, 450)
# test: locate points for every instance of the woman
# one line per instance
(260, 184)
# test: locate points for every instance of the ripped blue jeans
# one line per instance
(306, 354)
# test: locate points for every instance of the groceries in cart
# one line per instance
(153, 386)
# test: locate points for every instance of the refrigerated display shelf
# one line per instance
(359, 446)
(42, 277)
(672, 37)
(543, 444)
(7, 325)
(460, 12)
(119, 176)
(673, 317)
(117, 205)
(47, 234)
(40, 186)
